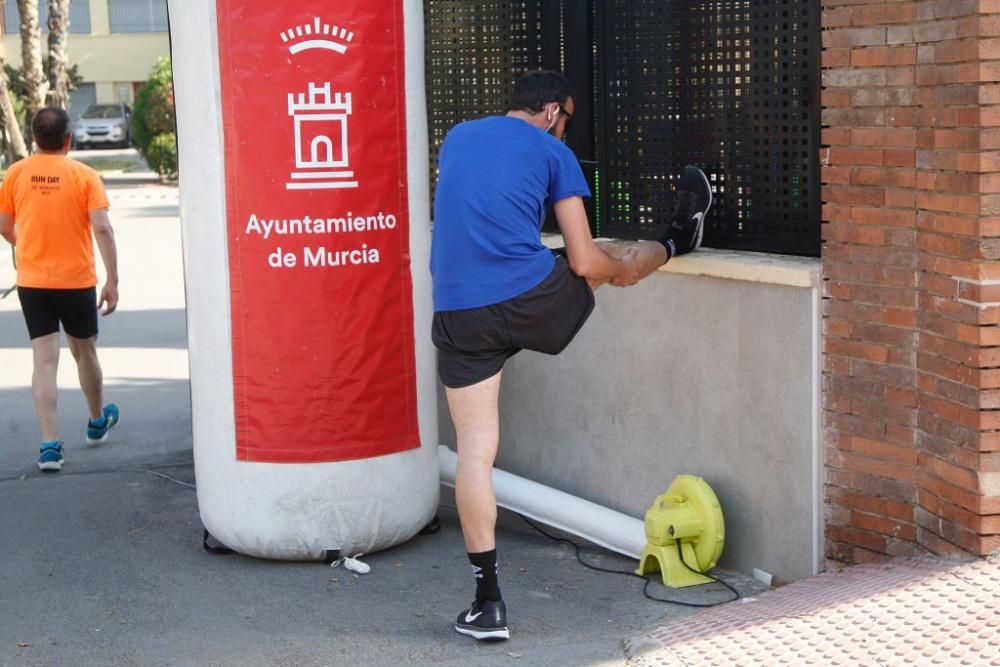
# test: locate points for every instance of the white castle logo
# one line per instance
(321, 156)
(317, 35)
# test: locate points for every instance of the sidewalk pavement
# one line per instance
(138, 173)
(905, 612)
(103, 565)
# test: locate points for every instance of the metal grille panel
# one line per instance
(132, 16)
(80, 98)
(731, 85)
(726, 84)
(79, 17)
(475, 51)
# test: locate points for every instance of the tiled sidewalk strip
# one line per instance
(909, 612)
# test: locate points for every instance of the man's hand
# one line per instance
(109, 299)
(630, 268)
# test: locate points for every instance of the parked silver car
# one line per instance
(105, 125)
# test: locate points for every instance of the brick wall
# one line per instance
(911, 218)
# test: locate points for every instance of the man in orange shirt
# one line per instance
(52, 209)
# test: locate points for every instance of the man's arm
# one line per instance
(586, 259)
(104, 235)
(7, 228)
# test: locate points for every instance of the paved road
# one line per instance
(102, 563)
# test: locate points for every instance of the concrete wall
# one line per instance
(686, 374)
(113, 62)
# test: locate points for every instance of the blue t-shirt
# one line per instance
(498, 177)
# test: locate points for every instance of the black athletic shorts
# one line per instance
(44, 309)
(473, 344)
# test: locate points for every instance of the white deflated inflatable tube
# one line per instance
(600, 525)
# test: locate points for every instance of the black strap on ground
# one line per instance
(218, 550)
(432, 527)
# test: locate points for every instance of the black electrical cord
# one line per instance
(648, 580)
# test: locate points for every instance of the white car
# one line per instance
(103, 125)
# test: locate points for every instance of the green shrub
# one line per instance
(161, 155)
(153, 113)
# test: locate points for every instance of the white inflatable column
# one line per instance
(305, 219)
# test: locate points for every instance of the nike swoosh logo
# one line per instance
(469, 617)
(700, 227)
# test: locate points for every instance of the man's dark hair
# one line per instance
(534, 89)
(50, 126)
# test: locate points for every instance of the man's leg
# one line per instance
(475, 411)
(45, 355)
(684, 234)
(102, 419)
(84, 351)
(650, 255)
(42, 319)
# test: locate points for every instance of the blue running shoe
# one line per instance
(51, 457)
(97, 430)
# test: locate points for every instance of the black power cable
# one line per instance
(648, 579)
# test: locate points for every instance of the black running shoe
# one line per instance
(484, 620)
(687, 224)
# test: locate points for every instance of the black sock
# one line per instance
(484, 569)
(669, 244)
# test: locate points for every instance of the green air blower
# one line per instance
(683, 527)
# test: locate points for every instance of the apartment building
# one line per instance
(114, 44)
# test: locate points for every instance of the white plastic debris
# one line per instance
(353, 564)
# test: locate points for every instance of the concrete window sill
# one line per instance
(756, 267)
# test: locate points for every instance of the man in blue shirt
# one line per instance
(498, 289)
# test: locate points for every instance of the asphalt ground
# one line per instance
(103, 563)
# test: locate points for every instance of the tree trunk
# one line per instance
(35, 83)
(58, 58)
(12, 131)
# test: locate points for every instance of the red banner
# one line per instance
(314, 118)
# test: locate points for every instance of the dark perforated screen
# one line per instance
(474, 51)
(730, 85)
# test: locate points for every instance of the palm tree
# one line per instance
(35, 82)
(58, 95)
(15, 139)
